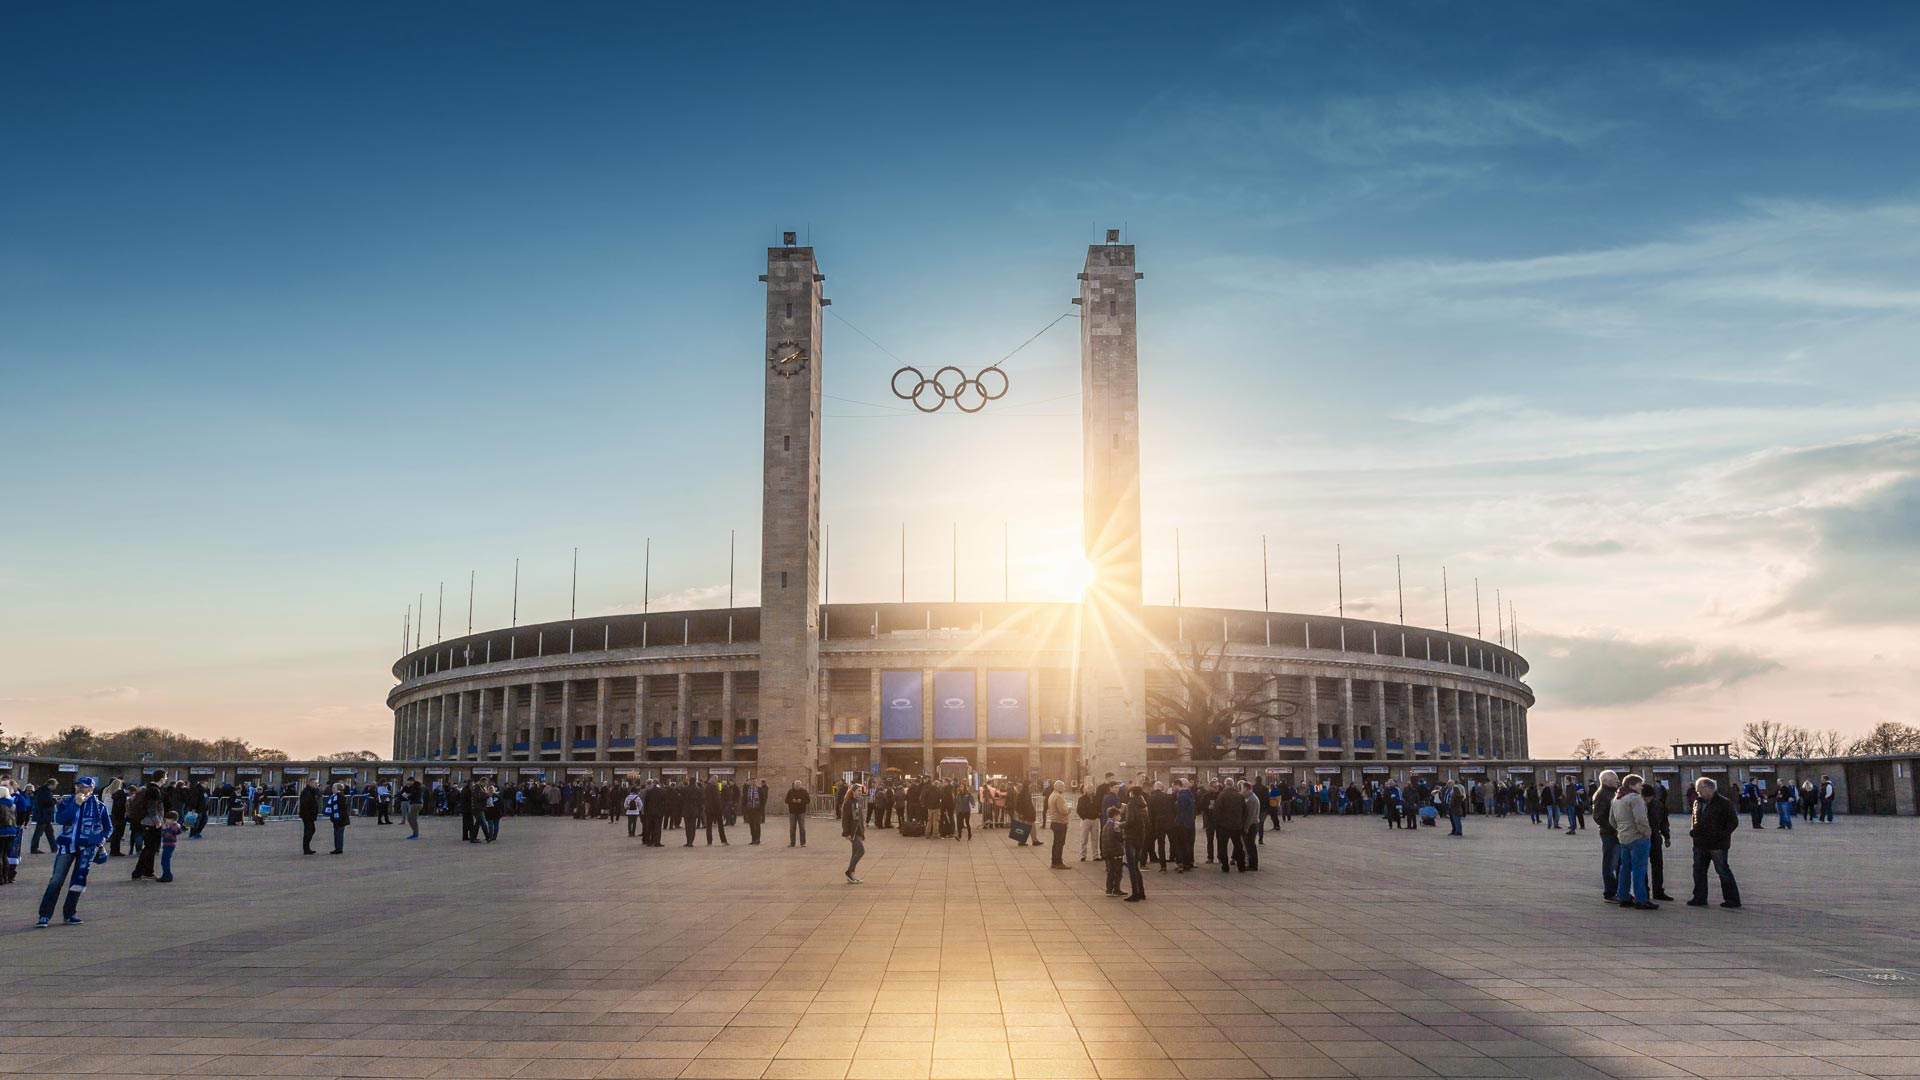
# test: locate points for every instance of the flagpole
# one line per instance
(470, 579)
(1479, 628)
(439, 612)
(646, 577)
(516, 593)
(730, 569)
(573, 591)
(1400, 586)
(1177, 596)
(1340, 581)
(1446, 602)
(1266, 599)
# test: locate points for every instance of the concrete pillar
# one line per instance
(1379, 693)
(566, 721)
(483, 729)
(1346, 718)
(1433, 723)
(683, 718)
(640, 731)
(460, 732)
(726, 716)
(1455, 738)
(534, 721)
(601, 715)
(506, 726)
(1409, 723)
(1313, 717)
(926, 720)
(980, 714)
(873, 718)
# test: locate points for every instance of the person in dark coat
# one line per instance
(798, 800)
(753, 804)
(151, 809)
(1714, 821)
(713, 807)
(1226, 817)
(1657, 820)
(691, 800)
(473, 811)
(119, 821)
(44, 800)
(1160, 815)
(309, 815)
(1183, 814)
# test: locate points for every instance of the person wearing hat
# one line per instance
(81, 824)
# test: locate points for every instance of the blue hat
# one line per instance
(83, 781)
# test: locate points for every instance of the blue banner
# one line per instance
(900, 705)
(953, 705)
(1006, 704)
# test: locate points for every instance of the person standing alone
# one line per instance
(1714, 822)
(798, 800)
(309, 814)
(82, 822)
(853, 826)
(339, 811)
(146, 808)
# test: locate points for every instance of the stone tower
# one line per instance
(1113, 641)
(790, 520)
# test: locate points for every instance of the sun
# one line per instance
(1069, 575)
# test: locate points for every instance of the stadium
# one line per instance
(798, 689)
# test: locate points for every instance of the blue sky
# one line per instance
(1611, 306)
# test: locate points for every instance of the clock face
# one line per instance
(787, 358)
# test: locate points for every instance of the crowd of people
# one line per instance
(1129, 826)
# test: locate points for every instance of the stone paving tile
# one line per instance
(567, 952)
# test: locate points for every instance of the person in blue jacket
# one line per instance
(81, 824)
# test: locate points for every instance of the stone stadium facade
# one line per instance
(795, 688)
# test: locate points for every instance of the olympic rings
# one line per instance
(968, 394)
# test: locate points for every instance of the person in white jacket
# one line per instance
(1628, 816)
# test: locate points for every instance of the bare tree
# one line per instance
(349, 755)
(1588, 748)
(1763, 738)
(1647, 753)
(1828, 743)
(1200, 707)
(1890, 737)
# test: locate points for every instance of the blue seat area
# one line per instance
(1162, 740)
(494, 748)
(857, 737)
(1251, 740)
(1396, 744)
(619, 743)
(550, 744)
(706, 740)
(746, 740)
(520, 746)
(662, 740)
(1329, 744)
(1290, 740)
(1363, 744)
(1421, 746)
(585, 744)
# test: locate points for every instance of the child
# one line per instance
(1113, 848)
(169, 836)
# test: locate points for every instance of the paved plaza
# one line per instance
(569, 951)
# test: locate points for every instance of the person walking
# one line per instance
(9, 836)
(963, 809)
(147, 805)
(1058, 814)
(1183, 813)
(118, 805)
(44, 801)
(632, 806)
(1633, 832)
(411, 796)
(1023, 811)
(1826, 793)
(1609, 837)
(1160, 814)
(1714, 822)
(309, 814)
(1256, 825)
(853, 826)
(1550, 801)
(1456, 807)
(338, 809)
(82, 821)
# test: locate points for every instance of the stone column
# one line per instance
(534, 720)
(1409, 723)
(726, 715)
(980, 713)
(926, 720)
(640, 730)
(1379, 693)
(602, 735)
(566, 723)
(1313, 717)
(873, 717)
(483, 739)
(507, 694)
(683, 718)
(1346, 718)
(460, 726)
(1433, 723)
(1456, 744)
